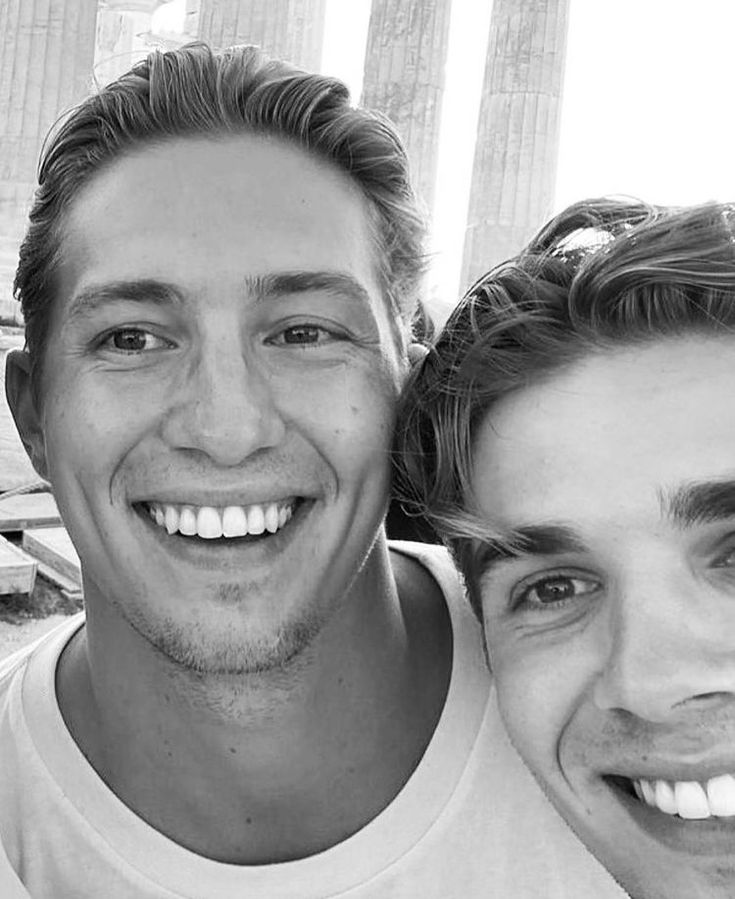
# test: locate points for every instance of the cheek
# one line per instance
(535, 701)
(352, 410)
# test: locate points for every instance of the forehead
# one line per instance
(194, 210)
(606, 438)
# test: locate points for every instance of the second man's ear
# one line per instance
(19, 393)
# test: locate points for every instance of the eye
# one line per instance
(726, 559)
(553, 591)
(304, 335)
(133, 340)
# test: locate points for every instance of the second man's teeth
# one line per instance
(211, 523)
(690, 799)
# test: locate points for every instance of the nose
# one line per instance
(223, 407)
(668, 647)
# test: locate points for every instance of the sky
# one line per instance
(646, 105)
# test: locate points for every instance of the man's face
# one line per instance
(218, 396)
(612, 634)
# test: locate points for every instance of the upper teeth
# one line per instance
(232, 521)
(688, 798)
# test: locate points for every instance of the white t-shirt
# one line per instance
(470, 821)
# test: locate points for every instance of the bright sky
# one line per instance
(647, 104)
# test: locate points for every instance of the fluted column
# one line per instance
(518, 133)
(46, 57)
(123, 29)
(287, 29)
(404, 77)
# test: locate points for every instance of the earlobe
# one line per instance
(22, 403)
(416, 353)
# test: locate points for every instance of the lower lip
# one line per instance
(227, 552)
(701, 836)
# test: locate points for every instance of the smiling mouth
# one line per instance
(690, 799)
(217, 523)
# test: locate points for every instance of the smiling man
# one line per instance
(572, 436)
(264, 698)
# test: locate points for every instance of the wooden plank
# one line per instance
(17, 570)
(54, 546)
(28, 510)
(69, 588)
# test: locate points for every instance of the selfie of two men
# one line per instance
(228, 376)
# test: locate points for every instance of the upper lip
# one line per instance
(677, 769)
(221, 499)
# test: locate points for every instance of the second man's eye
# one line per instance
(556, 589)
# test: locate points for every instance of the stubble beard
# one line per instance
(234, 651)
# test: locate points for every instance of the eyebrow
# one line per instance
(145, 290)
(530, 540)
(262, 287)
(272, 286)
(699, 502)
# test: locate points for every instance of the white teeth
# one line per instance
(665, 798)
(187, 521)
(256, 520)
(689, 799)
(721, 795)
(649, 794)
(271, 518)
(234, 522)
(171, 519)
(211, 523)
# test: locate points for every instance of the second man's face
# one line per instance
(218, 396)
(612, 638)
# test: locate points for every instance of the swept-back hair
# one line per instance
(603, 273)
(196, 92)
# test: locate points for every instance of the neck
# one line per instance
(258, 767)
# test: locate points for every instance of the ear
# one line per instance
(416, 353)
(23, 406)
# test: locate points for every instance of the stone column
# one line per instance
(514, 170)
(123, 27)
(404, 77)
(286, 29)
(46, 57)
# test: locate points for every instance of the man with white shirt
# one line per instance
(572, 437)
(264, 698)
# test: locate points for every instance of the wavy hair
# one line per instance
(603, 273)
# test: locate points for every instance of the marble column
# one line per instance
(286, 29)
(404, 77)
(123, 28)
(515, 162)
(46, 57)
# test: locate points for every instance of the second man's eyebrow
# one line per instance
(271, 286)
(699, 502)
(145, 290)
(528, 540)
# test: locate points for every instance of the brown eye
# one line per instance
(300, 334)
(558, 589)
(133, 340)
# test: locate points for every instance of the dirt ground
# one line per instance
(23, 618)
